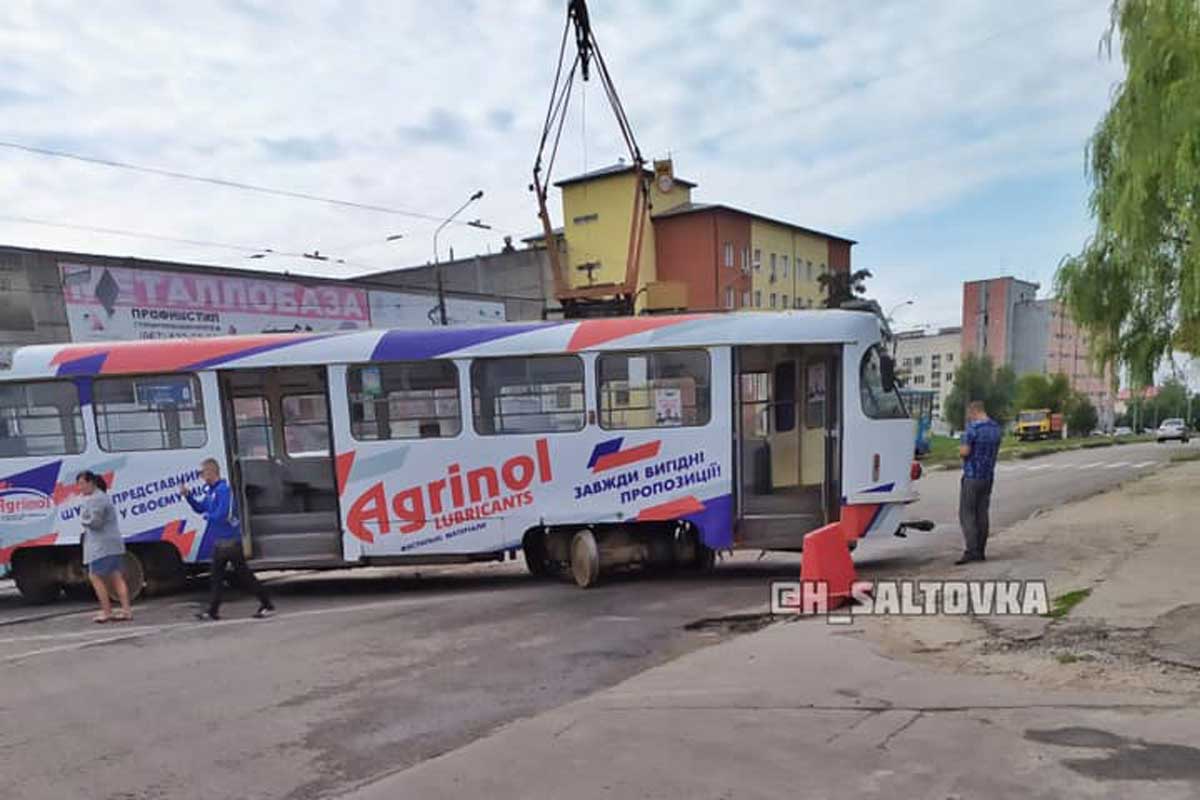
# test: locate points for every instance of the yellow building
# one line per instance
(597, 223)
(786, 264)
(700, 256)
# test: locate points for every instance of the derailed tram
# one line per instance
(589, 445)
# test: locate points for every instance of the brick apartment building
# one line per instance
(1003, 318)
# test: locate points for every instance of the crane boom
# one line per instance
(608, 298)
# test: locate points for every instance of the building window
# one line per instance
(758, 298)
(772, 299)
(757, 259)
(784, 266)
(729, 254)
(585, 219)
(808, 269)
(918, 380)
(746, 259)
(729, 297)
(745, 299)
(784, 301)
(918, 360)
(772, 266)
(656, 389)
(535, 394)
(156, 412)
(798, 303)
(404, 400)
(906, 363)
(949, 358)
(40, 419)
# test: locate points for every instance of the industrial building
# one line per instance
(56, 296)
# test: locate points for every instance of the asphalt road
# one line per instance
(366, 673)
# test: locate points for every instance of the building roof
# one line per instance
(615, 169)
(695, 208)
(541, 237)
(921, 333)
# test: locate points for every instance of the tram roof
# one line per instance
(410, 344)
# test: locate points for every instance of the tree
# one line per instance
(1135, 287)
(842, 286)
(977, 378)
(1081, 415)
(1035, 390)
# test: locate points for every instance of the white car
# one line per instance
(1123, 430)
(1173, 429)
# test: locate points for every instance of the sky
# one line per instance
(947, 137)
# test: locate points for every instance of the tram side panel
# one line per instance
(472, 493)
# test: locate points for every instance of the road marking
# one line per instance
(1116, 464)
(1093, 464)
(1144, 464)
(1040, 466)
(148, 630)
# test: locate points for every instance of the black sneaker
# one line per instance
(204, 616)
(966, 560)
(264, 612)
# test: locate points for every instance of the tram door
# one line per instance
(786, 429)
(278, 427)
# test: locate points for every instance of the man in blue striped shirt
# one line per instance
(979, 449)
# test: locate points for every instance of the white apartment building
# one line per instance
(927, 360)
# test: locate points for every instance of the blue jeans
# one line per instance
(104, 566)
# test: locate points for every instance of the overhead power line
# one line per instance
(229, 184)
(362, 281)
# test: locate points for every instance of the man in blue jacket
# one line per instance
(216, 504)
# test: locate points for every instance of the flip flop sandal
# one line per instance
(100, 619)
(121, 616)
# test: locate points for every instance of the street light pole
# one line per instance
(437, 262)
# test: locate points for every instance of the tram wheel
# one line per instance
(585, 559)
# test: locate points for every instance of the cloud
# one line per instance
(441, 127)
(301, 148)
(864, 120)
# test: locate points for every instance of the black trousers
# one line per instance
(973, 500)
(230, 554)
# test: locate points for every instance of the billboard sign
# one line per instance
(106, 303)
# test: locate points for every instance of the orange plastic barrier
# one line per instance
(826, 570)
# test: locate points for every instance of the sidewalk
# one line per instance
(898, 708)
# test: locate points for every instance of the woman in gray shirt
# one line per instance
(103, 547)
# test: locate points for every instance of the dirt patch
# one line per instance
(1127, 613)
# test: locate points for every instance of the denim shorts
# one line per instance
(107, 565)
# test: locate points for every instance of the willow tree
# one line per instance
(1136, 286)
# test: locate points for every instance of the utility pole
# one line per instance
(437, 263)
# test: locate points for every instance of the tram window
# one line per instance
(42, 418)
(305, 425)
(404, 400)
(654, 389)
(538, 394)
(149, 412)
(877, 402)
(252, 427)
(756, 403)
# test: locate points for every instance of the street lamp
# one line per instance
(896, 307)
(437, 262)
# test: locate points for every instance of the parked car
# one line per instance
(1123, 430)
(1173, 429)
